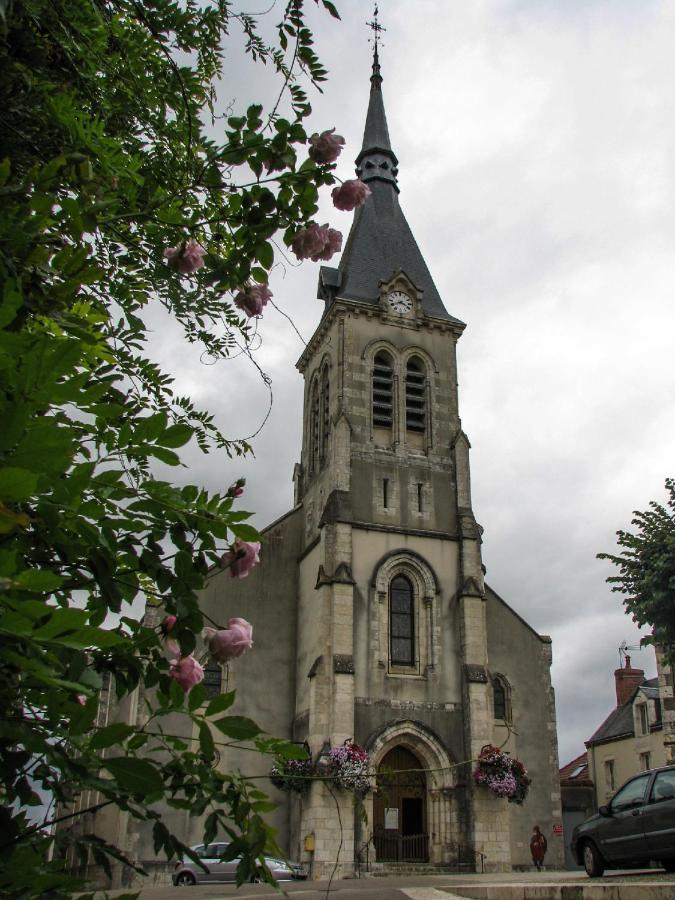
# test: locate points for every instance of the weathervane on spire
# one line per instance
(376, 28)
(374, 25)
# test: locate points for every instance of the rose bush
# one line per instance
(113, 189)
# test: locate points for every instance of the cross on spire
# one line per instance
(376, 28)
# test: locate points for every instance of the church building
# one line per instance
(371, 617)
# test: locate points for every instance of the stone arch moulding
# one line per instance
(375, 346)
(423, 742)
(413, 350)
(426, 589)
(407, 560)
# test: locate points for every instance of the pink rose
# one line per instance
(168, 624)
(316, 242)
(187, 672)
(333, 244)
(350, 194)
(236, 489)
(81, 699)
(185, 258)
(252, 299)
(231, 642)
(326, 147)
(241, 557)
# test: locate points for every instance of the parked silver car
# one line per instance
(187, 872)
(636, 827)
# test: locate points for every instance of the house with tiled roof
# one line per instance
(630, 740)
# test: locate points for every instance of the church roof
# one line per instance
(380, 242)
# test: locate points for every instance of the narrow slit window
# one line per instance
(383, 392)
(401, 622)
(415, 396)
(419, 497)
(499, 698)
(314, 428)
(385, 492)
(325, 414)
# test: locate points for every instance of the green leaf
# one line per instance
(206, 743)
(245, 532)
(239, 728)
(111, 734)
(260, 275)
(265, 255)
(220, 704)
(166, 456)
(176, 436)
(196, 697)
(38, 580)
(138, 776)
(17, 484)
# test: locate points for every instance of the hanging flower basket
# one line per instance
(292, 775)
(349, 767)
(502, 774)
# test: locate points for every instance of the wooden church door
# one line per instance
(399, 809)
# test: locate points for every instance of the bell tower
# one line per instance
(391, 596)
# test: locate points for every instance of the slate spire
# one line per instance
(380, 242)
(376, 159)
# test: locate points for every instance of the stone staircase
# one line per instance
(389, 869)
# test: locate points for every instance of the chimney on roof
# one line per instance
(626, 680)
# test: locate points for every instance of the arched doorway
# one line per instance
(400, 808)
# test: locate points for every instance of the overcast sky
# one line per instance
(536, 143)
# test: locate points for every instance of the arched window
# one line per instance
(415, 399)
(500, 698)
(314, 428)
(401, 622)
(383, 391)
(325, 414)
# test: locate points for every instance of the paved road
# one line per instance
(410, 887)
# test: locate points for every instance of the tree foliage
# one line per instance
(112, 150)
(647, 570)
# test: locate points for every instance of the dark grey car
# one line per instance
(636, 827)
(187, 872)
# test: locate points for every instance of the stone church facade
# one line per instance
(372, 619)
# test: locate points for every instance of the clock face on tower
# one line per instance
(399, 301)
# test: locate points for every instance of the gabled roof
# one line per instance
(575, 773)
(620, 723)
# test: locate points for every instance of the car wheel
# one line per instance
(593, 861)
(185, 879)
(668, 864)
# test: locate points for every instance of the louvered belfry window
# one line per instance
(383, 392)
(401, 622)
(415, 396)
